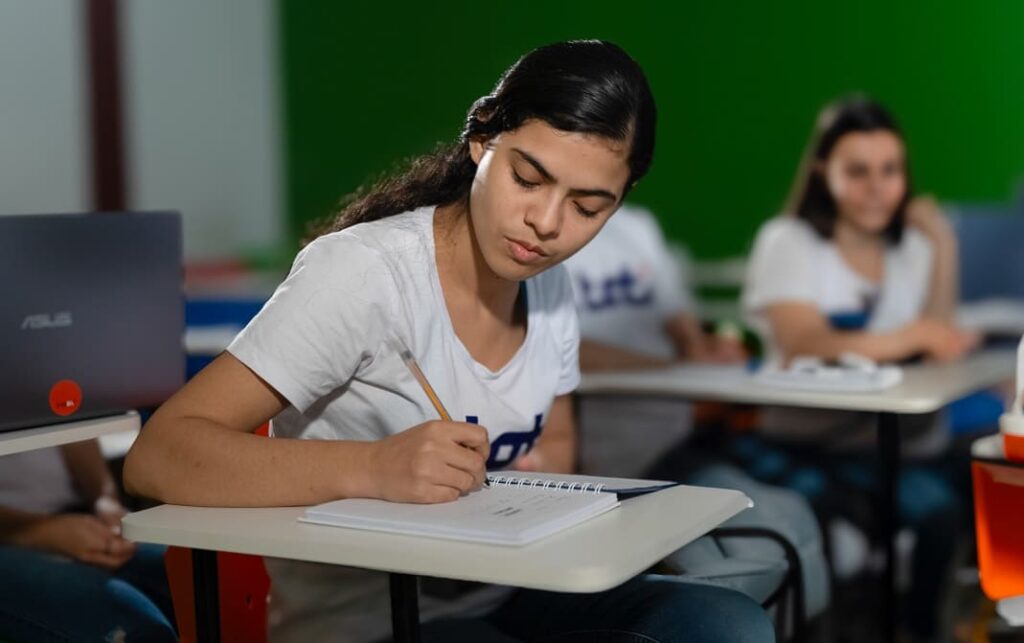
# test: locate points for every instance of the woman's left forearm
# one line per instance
(89, 471)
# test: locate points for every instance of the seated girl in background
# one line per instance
(459, 258)
(857, 264)
(68, 574)
(635, 309)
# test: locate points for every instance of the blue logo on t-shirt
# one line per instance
(620, 289)
(510, 446)
(855, 319)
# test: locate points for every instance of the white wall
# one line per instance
(43, 118)
(204, 130)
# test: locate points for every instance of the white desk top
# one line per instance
(596, 555)
(925, 387)
(65, 433)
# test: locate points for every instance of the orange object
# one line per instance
(1013, 447)
(242, 592)
(243, 588)
(65, 397)
(998, 519)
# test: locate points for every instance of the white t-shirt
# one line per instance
(790, 262)
(628, 284)
(37, 481)
(322, 342)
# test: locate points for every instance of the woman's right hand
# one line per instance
(80, 537)
(941, 341)
(436, 461)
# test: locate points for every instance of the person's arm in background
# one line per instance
(692, 343)
(555, 450)
(93, 481)
(944, 292)
(93, 539)
(677, 301)
(800, 329)
(80, 537)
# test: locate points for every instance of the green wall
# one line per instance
(737, 86)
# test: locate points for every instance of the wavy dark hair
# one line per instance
(810, 198)
(583, 86)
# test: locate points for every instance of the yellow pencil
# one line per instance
(417, 372)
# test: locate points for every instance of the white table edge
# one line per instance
(52, 435)
(601, 575)
(994, 364)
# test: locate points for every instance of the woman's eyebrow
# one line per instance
(537, 165)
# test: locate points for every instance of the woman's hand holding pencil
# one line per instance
(436, 461)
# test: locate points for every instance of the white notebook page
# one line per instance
(499, 514)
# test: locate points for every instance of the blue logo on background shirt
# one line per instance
(855, 319)
(510, 446)
(620, 289)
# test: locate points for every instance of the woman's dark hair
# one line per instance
(810, 198)
(584, 86)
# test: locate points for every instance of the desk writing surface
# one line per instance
(925, 387)
(593, 556)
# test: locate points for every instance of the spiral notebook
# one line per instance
(514, 510)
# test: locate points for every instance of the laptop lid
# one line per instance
(91, 315)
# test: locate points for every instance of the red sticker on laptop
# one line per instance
(65, 397)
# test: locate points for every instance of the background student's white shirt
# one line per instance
(322, 342)
(791, 262)
(628, 284)
(37, 481)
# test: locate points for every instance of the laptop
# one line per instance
(91, 315)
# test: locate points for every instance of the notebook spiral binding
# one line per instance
(542, 483)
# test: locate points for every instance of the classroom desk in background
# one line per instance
(925, 388)
(67, 432)
(594, 556)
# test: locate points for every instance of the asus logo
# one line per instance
(43, 320)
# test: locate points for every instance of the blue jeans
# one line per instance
(44, 597)
(844, 484)
(646, 609)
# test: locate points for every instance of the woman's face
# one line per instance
(541, 194)
(866, 176)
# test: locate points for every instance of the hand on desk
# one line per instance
(941, 341)
(717, 349)
(435, 461)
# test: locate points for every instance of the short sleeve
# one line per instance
(781, 266)
(566, 327)
(322, 322)
(670, 281)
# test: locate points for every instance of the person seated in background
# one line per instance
(857, 264)
(68, 574)
(635, 311)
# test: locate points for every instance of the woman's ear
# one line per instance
(477, 147)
